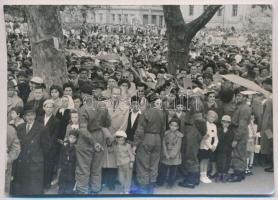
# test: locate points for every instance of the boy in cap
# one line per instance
(67, 164)
(125, 159)
(224, 149)
(171, 154)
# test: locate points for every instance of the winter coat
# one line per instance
(28, 175)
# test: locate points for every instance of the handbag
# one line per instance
(257, 146)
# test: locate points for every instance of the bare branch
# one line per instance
(203, 19)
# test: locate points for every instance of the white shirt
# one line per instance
(30, 127)
(212, 133)
(75, 126)
(46, 118)
(133, 117)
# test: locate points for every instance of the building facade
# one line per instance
(226, 17)
(143, 15)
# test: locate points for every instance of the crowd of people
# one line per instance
(127, 121)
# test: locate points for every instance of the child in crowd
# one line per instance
(208, 145)
(171, 154)
(16, 116)
(67, 164)
(125, 160)
(252, 129)
(224, 149)
(74, 123)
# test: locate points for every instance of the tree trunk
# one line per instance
(45, 30)
(180, 34)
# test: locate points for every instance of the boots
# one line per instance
(225, 178)
(237, 176)
(189, 181)
(219, 178)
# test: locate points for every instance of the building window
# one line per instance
(145, 19)
(120, 18)
(234, 11)
(219, 12)
(153, 19)
(205, 7)
(126, 18)
(100, 17)
(191, 10)
(113, 18)
(160, 20)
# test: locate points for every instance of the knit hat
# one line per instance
(74, 132)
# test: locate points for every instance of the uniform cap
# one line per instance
(121, 134)
(226, 118)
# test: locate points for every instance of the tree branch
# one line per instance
(203, 19)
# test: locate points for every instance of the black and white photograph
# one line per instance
(139, 100)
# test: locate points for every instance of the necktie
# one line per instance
(28, 128)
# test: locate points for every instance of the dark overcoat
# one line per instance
(29, 171)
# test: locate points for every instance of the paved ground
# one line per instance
(261, 183)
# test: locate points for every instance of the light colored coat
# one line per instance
(171, 146)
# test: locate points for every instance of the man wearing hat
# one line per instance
(133, 119)
(37, 81)
(29, 167)
(148, 140)
(51, 123)
(267, 126)
(94, 123)
(240, 121)
(38, 99)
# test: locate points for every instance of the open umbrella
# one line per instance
(246, 83)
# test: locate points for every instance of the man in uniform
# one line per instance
(147, 139)
(240, 121)
(94, 121)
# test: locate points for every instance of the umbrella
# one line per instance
(108, 57)
(246, 83)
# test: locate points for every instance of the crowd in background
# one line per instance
(122, 118)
